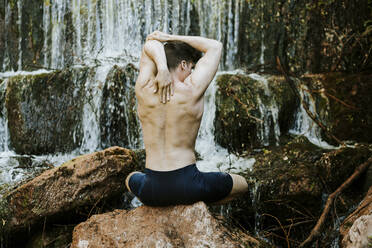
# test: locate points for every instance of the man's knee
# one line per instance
(240, 185)
(128, 178)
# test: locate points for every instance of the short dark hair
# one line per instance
(176, 51)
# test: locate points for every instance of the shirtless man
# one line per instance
(170, 94)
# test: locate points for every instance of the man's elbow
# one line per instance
(217, 45)
(149, 44)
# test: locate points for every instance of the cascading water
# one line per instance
(269, 114)
(214, 157)
(116, 29)
(304, 125)
(91, 111)
(4, 134)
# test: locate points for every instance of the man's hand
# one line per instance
(163, 82)
(159, 36)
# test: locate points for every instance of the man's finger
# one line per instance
(165, 95)
(156, 87)
(172, 88)
(169, 92)
(161, 95)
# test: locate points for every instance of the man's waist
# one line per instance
(165, 162)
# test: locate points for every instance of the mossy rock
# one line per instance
(290, 182)
(86, 185)
(345, 103)
(45, 111)
(246, 111)
(119, 123)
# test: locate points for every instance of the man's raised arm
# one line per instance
(154, 62)
(206, 67)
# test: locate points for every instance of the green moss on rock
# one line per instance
(119, 123)
(44, 111)
(239, 119)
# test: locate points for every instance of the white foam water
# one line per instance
(8, 74)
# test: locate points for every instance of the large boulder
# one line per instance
(356, 229)
(79, 183)
(45, 111)
(252, 111)
(178, 226)
(118, 120)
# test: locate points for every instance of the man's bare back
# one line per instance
(170, 103)
(169, 130)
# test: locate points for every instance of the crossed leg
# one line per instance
(127, 180)
(240, 186)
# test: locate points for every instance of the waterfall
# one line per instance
(116, 29)
(214, 157)
(91, 110)
(19, 21)
(6, 62)
(304, 125)
(269, 113)
(4, 133)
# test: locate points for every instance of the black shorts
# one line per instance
(182, 186)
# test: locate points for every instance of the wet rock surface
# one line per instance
(81, 182)
(119, 123)
(248, 108)
(356, 229)
(32, 103)
(179, 226)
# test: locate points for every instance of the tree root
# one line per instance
(316, 230)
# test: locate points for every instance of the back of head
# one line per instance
(176, 51)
